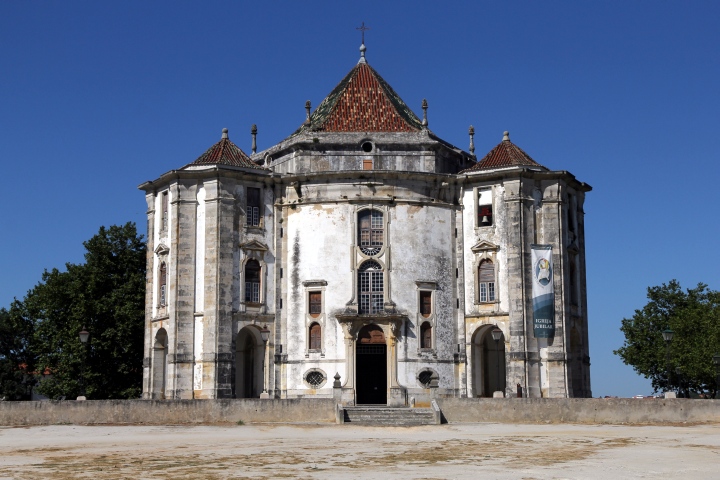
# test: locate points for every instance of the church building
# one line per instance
(366, 255)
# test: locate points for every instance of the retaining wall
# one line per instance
(167, 412)
(454, 410)
(580, 410)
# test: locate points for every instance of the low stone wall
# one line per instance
(580, 410)
(167, 412)
(454, 410)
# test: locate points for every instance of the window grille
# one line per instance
(370, 231)
(252, 281)
(425, 377)
(486, 280)
(315, 379)
(371, 288)
(253, 207)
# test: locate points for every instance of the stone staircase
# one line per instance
(382, 415)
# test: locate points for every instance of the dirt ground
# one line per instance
(343, 451)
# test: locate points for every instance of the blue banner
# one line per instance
(543, 293)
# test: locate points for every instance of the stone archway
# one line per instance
(488, 363)
(371, 366)
(249, 351)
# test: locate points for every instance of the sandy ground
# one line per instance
(343, 451)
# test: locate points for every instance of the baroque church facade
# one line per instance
(363, 253)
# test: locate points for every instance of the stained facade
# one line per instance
(363, 245)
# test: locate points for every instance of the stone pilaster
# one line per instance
(149, 287)
(181, 286)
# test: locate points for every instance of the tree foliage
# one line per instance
(694, 317)
(106, 296)
(17, 360)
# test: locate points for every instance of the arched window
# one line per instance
(163, 284)
(315, 337)
(426, 335)
(370, 231)
(370, 285)
(252, 281)
(486, 281)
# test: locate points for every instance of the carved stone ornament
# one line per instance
(314, 283)
(483, 246)
(353, 322)
(254, 245)
(162, 249)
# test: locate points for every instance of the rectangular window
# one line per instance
(425, 304)
(367, 165)
(164, 211)
(371, 292)
(253, 207)
(486, 281)
(315, 307)
(485, 208)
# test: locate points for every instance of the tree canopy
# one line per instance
(694, 317)
(106, 295)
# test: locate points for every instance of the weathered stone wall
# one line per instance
(168, 412)
(454, 410)
(579, 410)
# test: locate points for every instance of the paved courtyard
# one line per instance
(342, 451)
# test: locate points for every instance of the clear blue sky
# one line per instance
(97, 97)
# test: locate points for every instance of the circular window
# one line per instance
(367, 147)
(425, 378)
(315, 378)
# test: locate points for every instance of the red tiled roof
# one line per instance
(363, 102)
(505, 154)
(226, 152)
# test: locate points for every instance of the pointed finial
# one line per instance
(424, 107)
(471, 131)
(506, 136)
(307, 112)
(253, 132)
(362, 54)
(224, 133)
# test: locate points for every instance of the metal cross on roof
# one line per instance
(363, 28)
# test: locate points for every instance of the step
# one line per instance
(390, 416)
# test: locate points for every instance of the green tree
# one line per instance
(106, 295)
(17, 361)
(694, 317)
